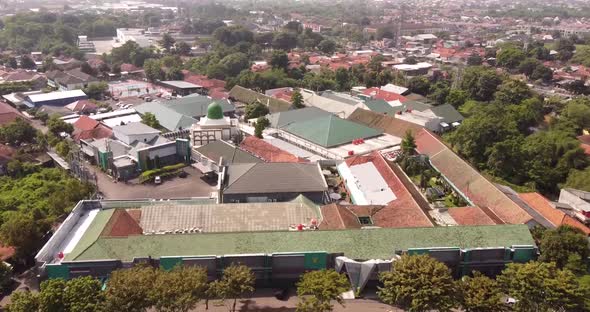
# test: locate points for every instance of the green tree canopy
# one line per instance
(558, 244)
(255, 110)
(481, 294)
(180, 289)
(236, 281)
(418, 283)
(510, 57)
(327, 46)
(317, 290)
(153, 70)
(23, 301)
(96, 90)
(541, 286)
(420, 85)
(297, 99)
(57, 126)
(480, 83)
(579, 179)
(129, 290)
(279, 59)
(150, 120)
(17, 132)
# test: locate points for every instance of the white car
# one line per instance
(158, 180)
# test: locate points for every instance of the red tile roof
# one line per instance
(85, 123)
(469, 181)
(121, 224)
(470, 216)
(404, 211)
(267, 151)
(553, 215)
(87, 128)
(9, 114)
(379, 94)
(338, 217)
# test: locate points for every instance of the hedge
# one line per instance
(163, 172)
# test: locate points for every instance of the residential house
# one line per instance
(245, 96)
(86, 128)
(264, 182)
(9, 114)
(213, 156)
(69, 80)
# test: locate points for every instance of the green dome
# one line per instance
(214, 111)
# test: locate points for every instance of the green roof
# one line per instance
(379, 106)
(166, 116)
(329, 131)
(197, 106)
(356, 244)
(214, 111)
(281, 119)
(93, 232)
(248, 96)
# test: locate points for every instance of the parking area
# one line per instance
(191, 186)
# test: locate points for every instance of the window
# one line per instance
(365, 220)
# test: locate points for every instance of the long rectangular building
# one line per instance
(101, 236)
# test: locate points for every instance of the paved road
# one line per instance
(191, 186)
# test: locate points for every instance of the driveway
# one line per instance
(191, 186)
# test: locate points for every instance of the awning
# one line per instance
(202, 168)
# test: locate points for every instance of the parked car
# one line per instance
(182, 174)
(158, 180)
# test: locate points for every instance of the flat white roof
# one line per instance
(116, 121)
(369, 145)
(112, 114)
(57, 95)
(180, 84)
(421, 65)
(366, 185)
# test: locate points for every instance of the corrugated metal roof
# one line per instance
(180, 84)
(331, 131)
(57, 95)
(167, 117)
(135, 128)
(196, 106)
(274, 178)
(281, 119)
(231, 154)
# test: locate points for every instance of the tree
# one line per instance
(51, 296)
(474, 60)
(255, 110)
(27, 62)
(167, 42)
(558, 244)
(480, 83)
(17, 132)
(481, 294)
(236, 281)
(579, 179)
(180, 289)
(149, 119)
(96, 90)
(182, 48)
(418, 283)
(23, 301)
(128, 290)
(542, 72)
(539, 286)
(279, 59)
(83, 294)
(577, 87)
(234, 63)
(62, 148)
(261, 124)
(57, 126)
(284, 41)
(12, 63)
(408, 145)
(528, 66)
(512, 92)
(420, 85)
(578, 111)
(297, 99)
(153, 70)
(327, 46)
(20, 231)
(510, 57)
(5, 277)
(317, 290)
(456, 97)
(439, 92)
